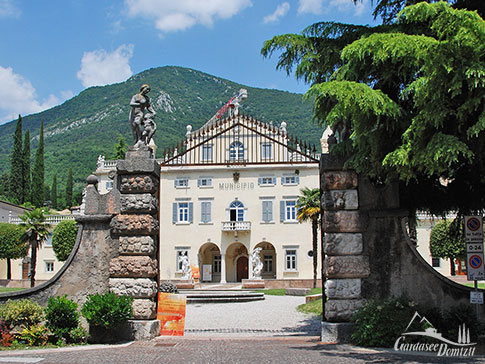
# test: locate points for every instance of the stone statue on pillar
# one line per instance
(256, 263)
(141, 117)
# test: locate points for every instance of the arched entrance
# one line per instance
(242, 268)
(268, 257)
(210, 263)
(236, 262)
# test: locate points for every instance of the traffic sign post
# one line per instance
(474, 250)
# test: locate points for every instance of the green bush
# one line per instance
(78, 335)
(34, 335)
(64, 238)
(459, 315)
(107, 310)
(61, 316)
(380, 323)
(21, 313)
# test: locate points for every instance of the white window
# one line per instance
(266, 210)
(267, 181)
(236, 151)
(182, 212)
(49, 267)
(236, 211)
(182, 182)
(207, 153)
(204, 182)
(217, 264)
(267, 263)
(181, 252)
(267, 151)
(205, 211)
(290, 180)
(288, 211)
(290, 260)
(109, 185)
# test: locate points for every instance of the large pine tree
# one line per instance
(69, 187)
(54, 193)
(26, 169)
(16, 162)
(38, 171)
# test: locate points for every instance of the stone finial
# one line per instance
(283, 126)
(189, 131)
(324, 140)
(92, 180)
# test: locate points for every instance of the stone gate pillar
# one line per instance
(135, 271)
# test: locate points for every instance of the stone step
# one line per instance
(213, 296)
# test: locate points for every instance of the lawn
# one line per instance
(314, 307)
(480, 285)
(10, 289)
(281, 291)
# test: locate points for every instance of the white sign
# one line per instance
(474, 248)
(476, 297)
(207, 272)
(473, 229)
(475, 268)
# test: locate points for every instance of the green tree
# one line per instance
(54, 193)
(447, 241)
(69, 187)
(36, 232)
(38, 192)
(11, 244)
(412, 95)
(16, 162)
(308, 206)
(4, 182)
(26, 179)
(63, 239)
(47, 193)
(119, 149)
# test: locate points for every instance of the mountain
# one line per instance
(89, 124)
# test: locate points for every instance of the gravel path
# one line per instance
(273, 316)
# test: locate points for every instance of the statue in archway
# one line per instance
(141, 117)
(256, 263)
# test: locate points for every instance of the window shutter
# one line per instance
(198, 182)
(208, 212)
(175, 183)
(260, 180)
(297, 180)
(174, 212)
(263, 212)
(282, 180)
(270, 210)
(191, 211)
(274, 180)
(282, 210)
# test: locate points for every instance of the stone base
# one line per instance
(185, 284)
(297, 291)
(253, 283)
(336, 332)
(140, 330)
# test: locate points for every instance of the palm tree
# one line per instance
(36, 232)
(308, 205)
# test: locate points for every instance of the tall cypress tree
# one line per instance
(69, 186)
(54, 193)
(26, 169)
(16, 162)
(38, 171)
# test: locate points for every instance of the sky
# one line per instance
(52, 50)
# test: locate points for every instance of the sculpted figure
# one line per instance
(142, 123)
(186, 269)
(256, 264)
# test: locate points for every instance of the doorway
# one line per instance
(242, 268)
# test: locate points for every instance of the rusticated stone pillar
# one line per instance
(135, 271)
(345, 265)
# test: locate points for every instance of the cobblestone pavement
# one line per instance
(223, 350)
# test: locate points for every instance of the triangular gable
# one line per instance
(239, 140)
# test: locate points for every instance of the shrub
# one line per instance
(78, 335)
(34, 335)
(21, 313)
(107, 310)
(380, 323)
(168, 287)
(459, 315)
(61, 316)
(6, 337)
(64, 238)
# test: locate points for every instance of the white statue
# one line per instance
(100, 162)
(186, 269)
(256, 263)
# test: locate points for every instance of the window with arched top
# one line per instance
(236, 151)
(236, 211)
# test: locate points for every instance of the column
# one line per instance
(223, 268)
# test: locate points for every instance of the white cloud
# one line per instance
(99, 68)
(8, 9)
(170, 15)
(280, 12)
(18, 96)
(320, 6)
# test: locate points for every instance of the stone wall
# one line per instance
(368, 252)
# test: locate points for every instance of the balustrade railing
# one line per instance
(236, 225)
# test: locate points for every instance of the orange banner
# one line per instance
(171, 313)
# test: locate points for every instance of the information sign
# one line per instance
(475, 268)
(476, 297)
(473, 229)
